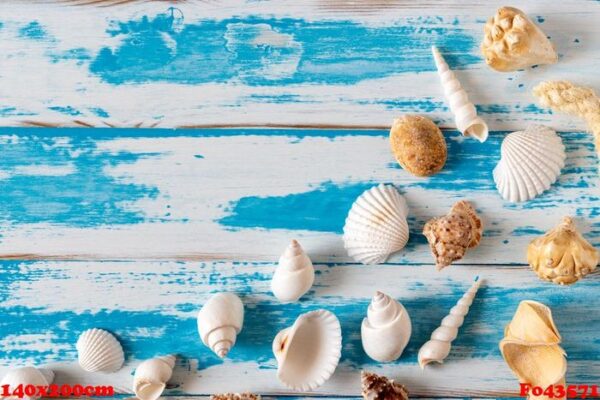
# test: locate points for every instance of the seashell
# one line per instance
(376, 387)
(26, 376)
(294, 275)
(531, 348)
(418, 145)
(386, 330)
(235, 396)
(308, 352)
(219, 322)
(151, 377)
(530, 163)
(438, 347)
(465, 114)
(450, 236)
(512, 41)
(99, 351)
(376, 225)
(579, 101)
(562, 255)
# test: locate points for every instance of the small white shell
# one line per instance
(99, 351)
(151, 377)
(219, 322)
(530, 163)
(26, 376)
(309, 351)
(465, 114)
(376, 225)
(386, 330)
(294, 275)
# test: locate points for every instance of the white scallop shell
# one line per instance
(151, 377)
(386, 330)
(530, 163)
(26, 376)
(376, 225)
(219, 322)
(99, 351)
(294, 274)
(309, 351)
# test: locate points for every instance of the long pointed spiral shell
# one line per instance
(386, 330)
(465, 114)
(438, 347)
(294, 275)
(219, 322)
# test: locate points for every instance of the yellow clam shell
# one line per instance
(531, 348)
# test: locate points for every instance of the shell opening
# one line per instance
(149, 390)
(478, 130)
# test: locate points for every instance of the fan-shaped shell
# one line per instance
(308, 352)
(530, 163)
(386, 330)
(99, 351)
(151, 377)
(26, 376)
(219, 322)
(376, 225)
(294, 275)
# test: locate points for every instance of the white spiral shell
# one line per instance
(151, 377)
(438, 347)
(99, 351)
(309, 351)
(465, 114)
(26, 376)
(376, 225)
(219, 322)
(294, 274)
(530, 163)
(386, 330)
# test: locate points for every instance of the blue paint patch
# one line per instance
(323, 209)
(68, 110)
(85, 197)
(527, 231)
(34, 31)
(13, 111)
(420, 105)
(80, 55)
(198, 156)
(99, 112)
(266, 51)
(275, 99)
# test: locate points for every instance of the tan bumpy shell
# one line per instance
(450, 236)
(418, 145)
(512, 41)
(562, 255)
(531, 347)
(376, 387)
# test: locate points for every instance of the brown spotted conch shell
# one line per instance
(531, 347)
(562, 255)
(377, 387)
(451, 235)
(512, 41)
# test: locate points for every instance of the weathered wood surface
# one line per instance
(152, 308)
(291, 63)
(159, 219)
(243, 194)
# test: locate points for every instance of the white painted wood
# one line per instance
(32, 64)
(86, 290)
(184, 219)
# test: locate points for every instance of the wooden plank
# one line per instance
(303, 63)
(243, 194)
(152, 306)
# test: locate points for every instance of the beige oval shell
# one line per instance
(418, 145)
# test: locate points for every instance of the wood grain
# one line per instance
(265, 63)
(242, 194)
(152, 307)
